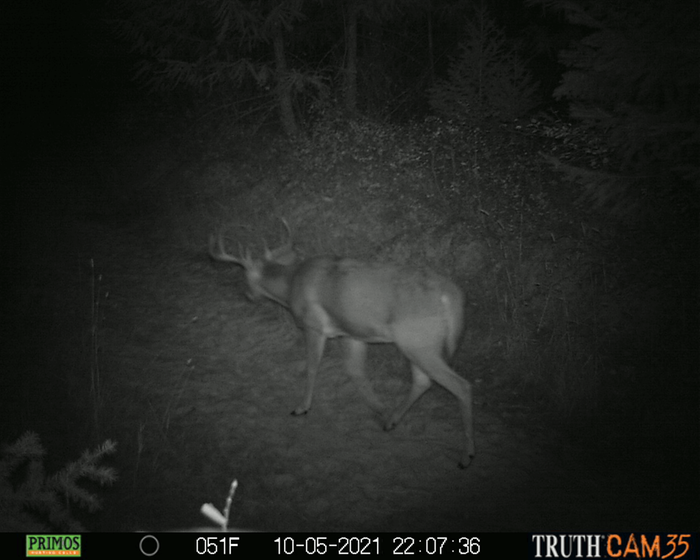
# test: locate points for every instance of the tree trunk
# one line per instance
(431, 53)
(350, 85)
(282, 89)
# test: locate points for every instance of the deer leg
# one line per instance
(421, 383)
(315, 343)
(440, 372)
(355, 355)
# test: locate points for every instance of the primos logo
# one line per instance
(53, 545)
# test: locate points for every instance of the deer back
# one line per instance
(374, 301)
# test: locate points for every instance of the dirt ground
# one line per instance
(195, 397)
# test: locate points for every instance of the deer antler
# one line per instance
(218, 253)
(274, 254)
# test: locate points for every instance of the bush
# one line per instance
(40, 502)
(488, 82)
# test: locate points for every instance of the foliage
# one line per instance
(217, 46)
(202, 44)
(633, 78)
(333, 139)
(27, 504)
(488, 81)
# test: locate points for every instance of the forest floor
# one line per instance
(196, 385)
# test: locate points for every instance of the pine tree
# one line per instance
(32, 501)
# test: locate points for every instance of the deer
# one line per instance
(416, 309)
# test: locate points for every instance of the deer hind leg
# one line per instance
(315, 343)
(355, 355)
(421, 383)
(428, 365)
(443, 374)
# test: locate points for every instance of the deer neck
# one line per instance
(276, 282)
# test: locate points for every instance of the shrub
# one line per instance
(488, 81)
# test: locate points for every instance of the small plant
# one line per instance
(32, 501)
(213, 514)
(488, 81)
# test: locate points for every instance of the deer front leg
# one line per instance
(315, 343)
(355, 355)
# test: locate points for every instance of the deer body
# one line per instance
(416, 309)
